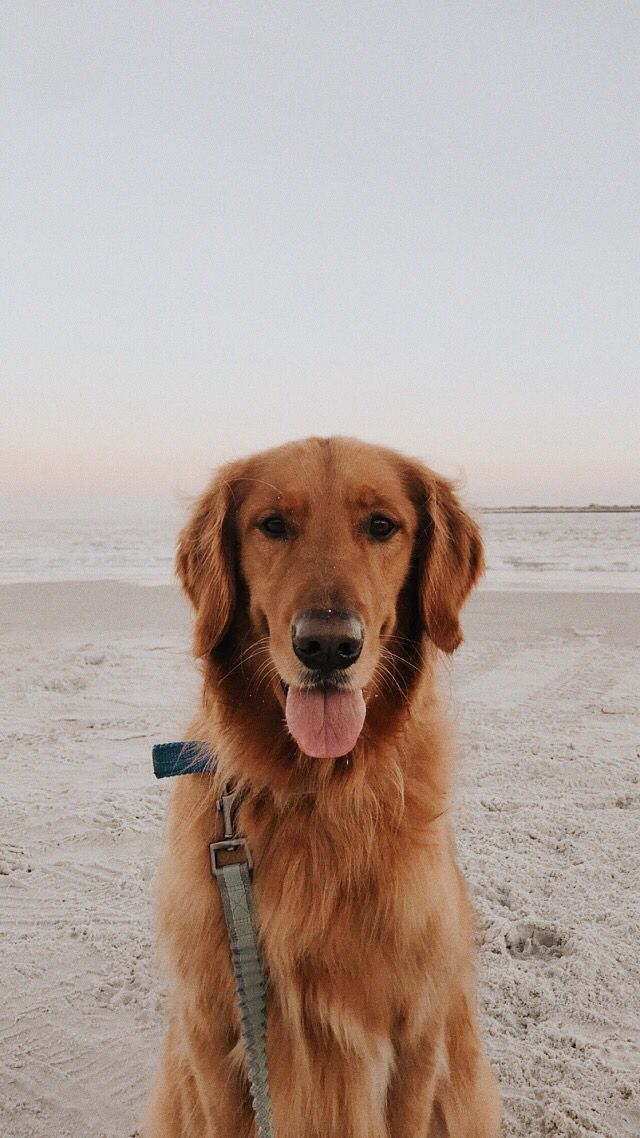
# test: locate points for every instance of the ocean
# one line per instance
(559, 551)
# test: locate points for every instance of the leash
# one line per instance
(234, 883)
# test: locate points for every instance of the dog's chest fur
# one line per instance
(347, 905)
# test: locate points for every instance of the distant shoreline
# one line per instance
(560, 509)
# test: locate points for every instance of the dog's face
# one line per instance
(328, 561)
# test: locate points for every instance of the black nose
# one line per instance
(326, 640)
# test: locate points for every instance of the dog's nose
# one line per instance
(326, 640)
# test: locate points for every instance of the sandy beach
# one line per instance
(546, 696)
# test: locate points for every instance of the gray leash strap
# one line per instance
(234, 882)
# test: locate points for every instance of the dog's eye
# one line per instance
(381, 528)
(273, 526)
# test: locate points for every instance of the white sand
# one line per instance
(547, 695)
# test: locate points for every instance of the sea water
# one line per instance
(554, 551)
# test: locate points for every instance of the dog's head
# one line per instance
(319, 570)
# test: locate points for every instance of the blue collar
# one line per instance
(170, 759)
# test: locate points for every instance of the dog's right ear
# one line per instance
(450, 556)
(205, 562)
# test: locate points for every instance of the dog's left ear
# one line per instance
(451, 558)
(205, 562)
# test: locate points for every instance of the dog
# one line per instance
(326, 575)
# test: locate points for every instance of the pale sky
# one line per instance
(230, 224)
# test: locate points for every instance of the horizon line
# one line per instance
(156, 515)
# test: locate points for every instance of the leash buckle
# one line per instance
(229, 845)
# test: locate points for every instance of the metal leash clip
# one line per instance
(231, 842)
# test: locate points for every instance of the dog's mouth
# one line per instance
(324, 717)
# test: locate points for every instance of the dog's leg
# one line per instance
(201, 1090)
(412, 1091)
(467, 1098)
(172, 1107)
(221, 1082)
(466, 1110)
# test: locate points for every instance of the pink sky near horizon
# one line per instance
(111, 478)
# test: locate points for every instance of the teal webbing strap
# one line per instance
(234, 882)
(170, 759)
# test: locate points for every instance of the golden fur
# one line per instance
(365, 925)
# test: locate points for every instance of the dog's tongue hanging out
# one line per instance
(325, 722)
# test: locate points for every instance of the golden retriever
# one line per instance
(325, 576)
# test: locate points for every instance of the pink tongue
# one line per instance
(325, 723)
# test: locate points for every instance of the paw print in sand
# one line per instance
(530, 941)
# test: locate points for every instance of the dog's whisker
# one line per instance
(389, 672)
(402, 660)
(398, 660)
(265, 673)
(253, 650)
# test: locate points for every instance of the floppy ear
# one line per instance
(205, 563)
(452, 560)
